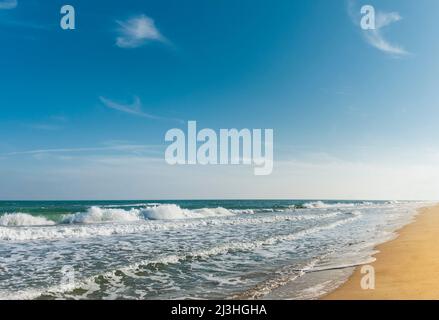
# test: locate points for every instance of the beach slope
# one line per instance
(405, 268)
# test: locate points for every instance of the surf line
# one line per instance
(232, 147)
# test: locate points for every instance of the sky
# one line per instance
(84, 112)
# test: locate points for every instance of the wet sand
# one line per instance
(405, 268)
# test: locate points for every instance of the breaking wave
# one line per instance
(97, 214)
(324, 205)
(176, 258)
(152, 211)
(159, 212)
(174, 212)
(70, 229)
(23, 219)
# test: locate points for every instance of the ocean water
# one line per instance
(189, 249)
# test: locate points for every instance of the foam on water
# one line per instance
(322, 205)
(138, 225)
(23, 219)
(159, 212)
(174, 212)
(216, 249)
(174, 259)
(97, 215)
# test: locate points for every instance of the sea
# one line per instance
(192, 249)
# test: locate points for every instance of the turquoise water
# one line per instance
(219, 249)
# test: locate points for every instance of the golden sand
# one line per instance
(405, 268)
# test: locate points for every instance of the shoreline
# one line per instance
(406, 267)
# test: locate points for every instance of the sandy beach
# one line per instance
(405, 268)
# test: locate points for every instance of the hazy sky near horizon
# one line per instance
(83, 113)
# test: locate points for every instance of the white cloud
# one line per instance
(118, 176)
(53, 123)
(135, 108)
(130, 148)
(118, 170)
(385, 19)
(8, 4)
(375, 37)
(137, 31)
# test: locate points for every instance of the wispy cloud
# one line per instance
(135, 148)
(45, 127)
(8, 4)
(134, 108)
(53, 123)
(375, 37)
(137, 31)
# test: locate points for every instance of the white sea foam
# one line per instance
(214, 237)
(283, 276)
(158, 212)
(23, 219)
(105, 214)
(66, 231)
(174, 212)
(97, 214)
(244, 211)
(176, 258)
(324, 205)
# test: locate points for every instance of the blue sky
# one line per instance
(83, 113)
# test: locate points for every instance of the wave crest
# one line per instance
(323, 205)
(97, 214)
(159, 212)
(23, 219)
(174, 212)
